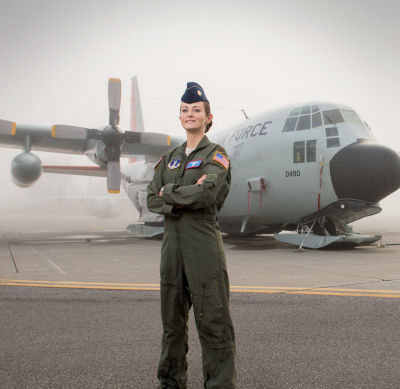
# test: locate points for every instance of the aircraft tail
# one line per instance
(136, 122)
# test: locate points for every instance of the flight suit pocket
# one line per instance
(212, 312)
(191, 176)
(170, 176)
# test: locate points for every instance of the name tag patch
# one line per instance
(220, 158)
(194, 164)
(175, 163)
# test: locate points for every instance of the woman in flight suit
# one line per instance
(189, 186)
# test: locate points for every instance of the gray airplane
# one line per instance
(309, 169)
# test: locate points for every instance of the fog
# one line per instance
(256, 55)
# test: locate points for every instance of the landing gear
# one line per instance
(323, 232)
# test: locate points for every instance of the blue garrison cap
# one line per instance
(193, 93)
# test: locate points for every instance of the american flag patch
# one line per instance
(220, 158)
(158, 163)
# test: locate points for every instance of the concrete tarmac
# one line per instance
(80, 309)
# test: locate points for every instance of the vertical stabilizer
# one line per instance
(136, 123)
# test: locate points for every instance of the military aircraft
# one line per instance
(309, 169)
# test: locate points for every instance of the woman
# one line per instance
(189, 187)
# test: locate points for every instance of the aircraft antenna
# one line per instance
(244, 113)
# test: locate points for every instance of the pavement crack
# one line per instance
(11, 253)
(349, 284)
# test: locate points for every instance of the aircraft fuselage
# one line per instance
(294, 162)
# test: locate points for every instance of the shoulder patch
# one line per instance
(221, 159)
(158, 163)
(174, 164)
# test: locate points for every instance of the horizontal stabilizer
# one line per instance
(313, 241)
(93, 171)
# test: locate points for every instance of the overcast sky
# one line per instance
(56, 57)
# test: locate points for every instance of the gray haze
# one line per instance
(56, 57)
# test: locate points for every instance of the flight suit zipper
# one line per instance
(202, 301)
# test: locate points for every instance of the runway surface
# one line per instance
(80, 309)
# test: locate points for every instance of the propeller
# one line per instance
(111, 136)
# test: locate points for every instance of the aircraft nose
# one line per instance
(365, 171)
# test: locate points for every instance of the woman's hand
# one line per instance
(201, 179)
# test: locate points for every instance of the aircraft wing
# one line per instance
(37, 138)
(103, 146)
(80, 140)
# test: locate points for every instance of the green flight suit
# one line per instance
(193, 266)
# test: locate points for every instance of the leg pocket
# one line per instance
(213, 316)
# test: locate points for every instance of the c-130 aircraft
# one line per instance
(310, 169)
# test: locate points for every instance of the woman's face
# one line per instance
(193, 116)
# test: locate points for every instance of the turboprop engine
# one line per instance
(26, 168)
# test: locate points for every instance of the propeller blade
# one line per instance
(68, 132)
(147, 138)
(93, 133)
(113, 176)
(114, 100)
(7, 127)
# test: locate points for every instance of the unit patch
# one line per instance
(175, 163)
(193, 164)
(221, 159)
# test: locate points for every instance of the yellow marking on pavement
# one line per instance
(113, 191)
(13, 128)
(114, 79)
(79, 286)
(79, 283)
(53, 131)
(265, 287)
(310, 288)
(234, 289)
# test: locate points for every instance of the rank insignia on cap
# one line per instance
(158, 163)
(193, 164)
(193, 93)
(221, 159)
(175, 163)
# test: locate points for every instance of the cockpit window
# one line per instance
(350, 117)
(335, 116)
(290, 124)
(295, 112)
(332, 117)
(332, 142)
(304, 123)
(298, 151)
(303, 118)
(316, 120)
(331, 131)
